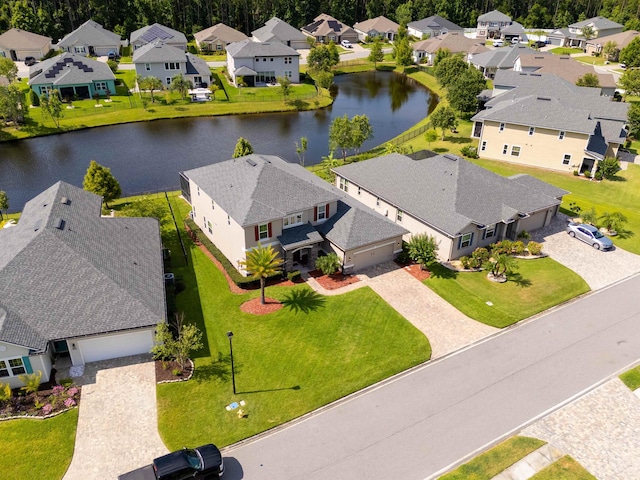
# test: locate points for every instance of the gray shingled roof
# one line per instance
(66, 272)
(260, 188)
(16, 39)
(434, 22)
(379, 24)
(494, 16)
(280, 30)
(445, 191)
(455, 42)
(539, 185)
(69, 69)
(249, 49)
(198, 65)
(514, 29)
(296, 237)
(220, 31)
(158, 52)
(324, 25)
(503, 58)
(90, 33)
(599, 23)
(150, 33)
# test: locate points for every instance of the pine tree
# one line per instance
(100, 181)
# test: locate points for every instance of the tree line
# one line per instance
(55, 18)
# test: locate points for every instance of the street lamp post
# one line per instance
(233, 373)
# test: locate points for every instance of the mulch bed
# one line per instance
(331, 282)
(415, 270)
(50, 398)
(254, 306)
(165, 374)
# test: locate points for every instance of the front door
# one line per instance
(60, 346)
(587, 164)
(511, 231)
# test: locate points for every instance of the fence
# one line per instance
(409, 135)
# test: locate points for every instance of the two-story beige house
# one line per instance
(574, 35)
(264, 200)
(261, 63)
(461, 204)
(546, 121)
(425, 51)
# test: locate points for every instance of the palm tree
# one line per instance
(180, 84)
(151, 84)
(262, 262)
(613, 221)
(501, 265)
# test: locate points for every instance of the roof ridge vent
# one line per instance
(546, 99)
(450, 157)
(64, 201)
(59, 223)
(251, 162)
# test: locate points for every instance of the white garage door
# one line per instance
(373, 256)
(114, 346)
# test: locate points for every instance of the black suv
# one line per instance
(28, 61)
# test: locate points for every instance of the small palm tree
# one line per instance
(262, 262)
(613, 221)
(501, 265)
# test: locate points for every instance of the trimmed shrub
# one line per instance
(576, 173)
(587, 174)
(329, 264)
(466, 264)
(479, 256)
(469, 152)
(294, 276)
(518, 247)
(534, 248)
(504, 247)
(598, 175)
(403, 257)
(524, 235)
(33, 98)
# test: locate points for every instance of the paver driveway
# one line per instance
(117, 426)
(598, 268)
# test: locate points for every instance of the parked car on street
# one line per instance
(28, 61)
(204, 462)
(539, 44)
(589, 234)
(346, 44)
(498, 43)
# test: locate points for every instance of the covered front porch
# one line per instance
(300, 247)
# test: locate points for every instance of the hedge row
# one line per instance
(237, 277)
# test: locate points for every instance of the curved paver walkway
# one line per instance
(598, 269)
(117, 426)
(446, 327)
(600, 430)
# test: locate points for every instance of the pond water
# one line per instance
(147, 156)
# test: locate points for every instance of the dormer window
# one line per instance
(292, 220)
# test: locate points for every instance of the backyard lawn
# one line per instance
(313, 351)
(50, 447)
(621, 195)
(535, 286)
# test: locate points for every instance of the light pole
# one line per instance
(233, 373)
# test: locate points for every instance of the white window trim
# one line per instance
(399, 215)
(483, 146)
(513, 153)
(561, 134)
(532, 130)
(489, 231)
(501, 127)
(9, 368)
(147, 67)
(344, 184)
(564, 157)
(322, 212)
(292, 220)
(466, 238)
(265, 232)
(505, 149)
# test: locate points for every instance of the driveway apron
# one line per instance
(598, 268)
(117, 426)
(446, 327)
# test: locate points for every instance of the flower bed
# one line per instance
(254, 306)
(165, 371)
(46, 402)
(417, 271)
(331, 282)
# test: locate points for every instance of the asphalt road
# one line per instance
(421, 423)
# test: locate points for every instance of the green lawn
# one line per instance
(631, 378)
(564, 469)
(621, 195)
(310, 353)
(50, 447)
(496, 460)
(565, 51)
(536, 286)
(590, 60)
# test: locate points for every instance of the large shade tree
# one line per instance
(101, 181)
(262, 263)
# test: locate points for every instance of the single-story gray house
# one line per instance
(432, 27)
(17, 44)
(90, 38)
(151, 33)
(325, 29)
(72, 75)
(163, 61)
(462, 205)
(276, 30)
(75, 285)
(264, 200)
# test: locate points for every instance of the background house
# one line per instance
(455, 42)
(152, 33)
(546, 121)
(99, 280)
(276, 30)
(574, 37)
(264, 200)
(325, 29)
(621, 40)
(90, 39)
(501, 58)
(73, 76)
(491, 24)
(259, 63)
(432, 27)
(17, 44)
(380, 27)
(217, 37)
(163, 61)
(514, 33)
(461, 204)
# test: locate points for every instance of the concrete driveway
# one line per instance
(598, 268)
(117, 426)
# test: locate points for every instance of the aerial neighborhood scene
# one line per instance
(312, 240)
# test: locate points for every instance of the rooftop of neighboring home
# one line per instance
(494, 16)
(563, 66)
(78, 263)
(621, 39)
(434, 22)
(514, 29)
(448, 192)
(90, 33)
(247, 49)
(599, 23)
(69, 69)
(522, 84)
(158, 52)
(379, 24)
(22, 40)
(324, 25)
(197, 65)
(260, 188)
(279, 30)
(455, 42)
(504, 57)
(150, 33)
(220, 31)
